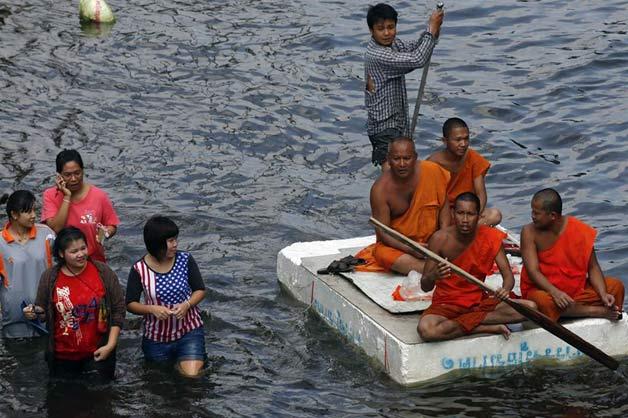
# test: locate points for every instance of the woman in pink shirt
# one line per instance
(73, 202)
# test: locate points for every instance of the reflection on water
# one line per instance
(244, 121)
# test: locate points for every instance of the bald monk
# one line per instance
(561, 272)
(468, 168)
(458, 306)
(410, 198)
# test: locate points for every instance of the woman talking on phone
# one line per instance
(73, 202)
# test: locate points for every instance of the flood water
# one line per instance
(244, 121)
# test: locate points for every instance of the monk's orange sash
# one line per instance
(474, 165)
(477, 259)
(566, 262)
(418, 223)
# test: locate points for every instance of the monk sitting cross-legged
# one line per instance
(410, 198)
(458, 306)
(468, 168)
(561, 272)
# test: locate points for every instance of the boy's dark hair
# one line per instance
(20, 201)
(550, 200)
(157, 231)
(451, 124)
(379, 12)
(64, 238)
(66, 156)
(468, 197)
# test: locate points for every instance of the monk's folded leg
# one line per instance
(506, 314)
(491, 217)
(436, 323)
(406, 263)
(544, 303)
(477, 314)
(616, 288)
(395, 260)
(589, 304)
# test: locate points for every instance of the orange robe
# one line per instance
(566, 265)
(459, 300)
(418, 223)
(474, 165)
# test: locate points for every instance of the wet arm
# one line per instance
(42, 297)
(505, 270)
(444, 216)
(431, 271)
(596, 277)
(479, 186)
(133, 292)
(57, 222)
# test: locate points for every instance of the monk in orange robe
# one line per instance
(458, 306)
(468, 168)
(410, 198)
(561, 272)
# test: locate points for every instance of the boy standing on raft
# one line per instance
(561, 272)
(387, 60)
(467, 167)
(459, 307)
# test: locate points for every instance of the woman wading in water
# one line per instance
(172, 287)
(83, 306)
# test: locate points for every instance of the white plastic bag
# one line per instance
(411, 288)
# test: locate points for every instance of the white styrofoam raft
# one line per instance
(393, 341)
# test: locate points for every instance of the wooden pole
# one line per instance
(533, 315)
(419, 98)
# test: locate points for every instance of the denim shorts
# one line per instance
(380, 144)
(189, 347)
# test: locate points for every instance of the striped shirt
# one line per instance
(387, 106)
(167, 289)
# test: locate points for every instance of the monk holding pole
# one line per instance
(460, 307)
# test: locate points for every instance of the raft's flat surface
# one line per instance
(392, 339)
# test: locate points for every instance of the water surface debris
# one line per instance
(95, 11)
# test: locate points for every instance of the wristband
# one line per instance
(189, 304)
(66, 200)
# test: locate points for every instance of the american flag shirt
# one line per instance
(167, 289)
(387, 106)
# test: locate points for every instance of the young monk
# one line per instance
(561, 272)
(458, 306)
(386, 62)
(410, 198)
(468, 168)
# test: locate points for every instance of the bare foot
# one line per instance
(493, 329)
(587, 311)
(613, 315)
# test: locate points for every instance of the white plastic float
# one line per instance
(392, 339)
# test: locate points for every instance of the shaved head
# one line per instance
(550, 200)
(468, 197)
(400, 139)
(451, 124)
